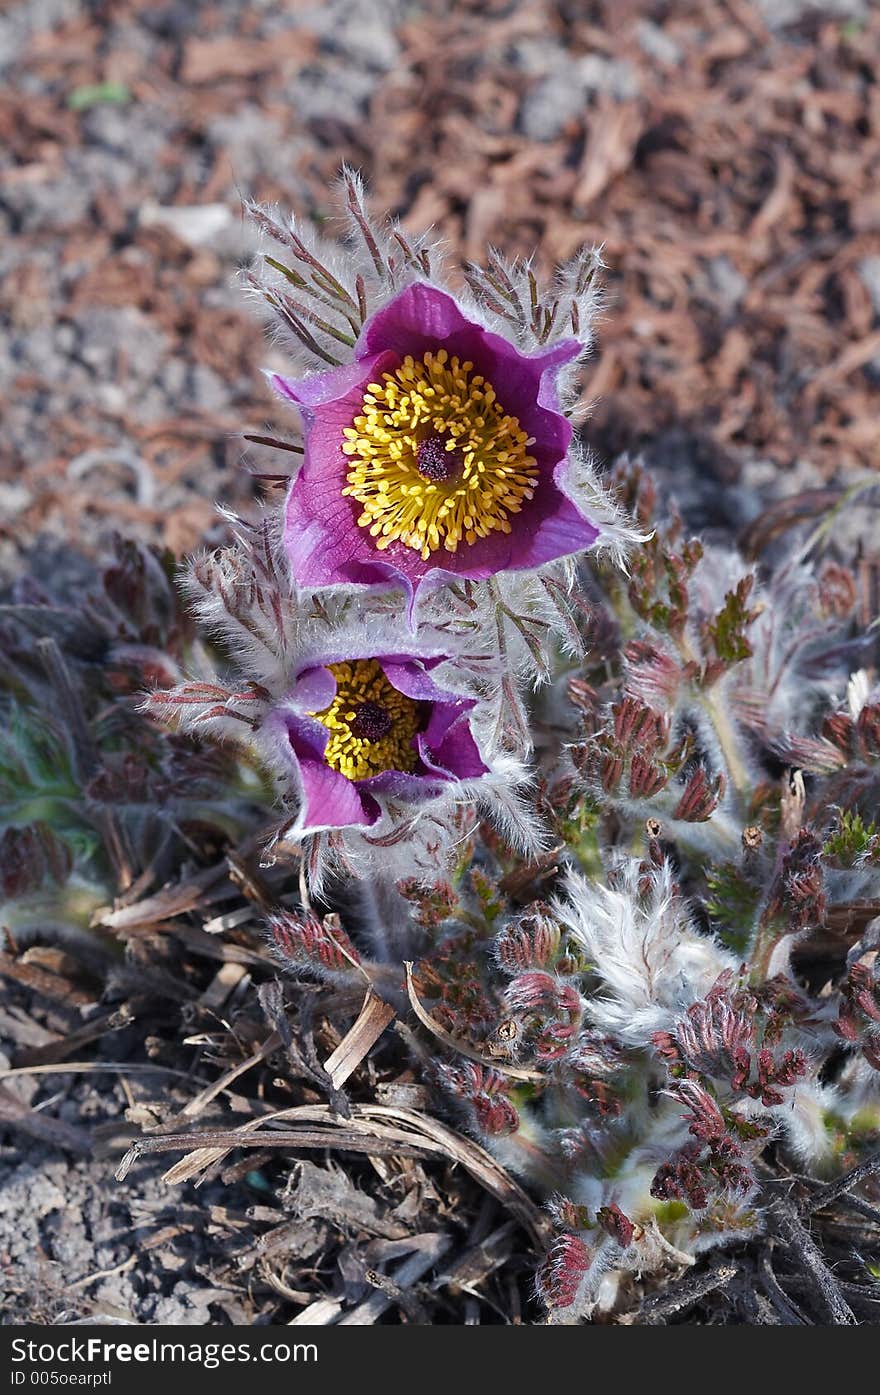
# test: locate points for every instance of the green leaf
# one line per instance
(731, 904)
(98, 94)
(727, 631)
(854, 842)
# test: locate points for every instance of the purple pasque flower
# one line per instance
(364, 728)
(439, 452)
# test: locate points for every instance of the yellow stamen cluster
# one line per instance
(442, 401)
(371, 724)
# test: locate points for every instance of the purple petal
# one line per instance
(325, 545)
(417, 320)
(447, 743)
(408, 676)
(407, 787)
(331, 801)
(332, 386)
(314, 689)
(446, 746)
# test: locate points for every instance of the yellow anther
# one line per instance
(490, 476)
(371, 724)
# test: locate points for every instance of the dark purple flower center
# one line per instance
(370, 722)
(435, 463)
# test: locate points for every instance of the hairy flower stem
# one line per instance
(767, 938)
(386, 918)
(725, 730)
(728, 741)
(508, 690)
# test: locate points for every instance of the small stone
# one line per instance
(195, 225)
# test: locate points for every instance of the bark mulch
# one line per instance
(725, 153)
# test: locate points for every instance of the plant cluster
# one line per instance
(597, 798)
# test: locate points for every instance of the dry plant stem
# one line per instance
(838, 1188)
(322, 1313)
(789, 1312)
(55, 1051)
(371, 1022)
(99, 1068)
(404, 1277)
(202, 1100)
(478, 1262)
(822, 1281)
(372, 1129)
(855, 1203)
(16, 1115)
(686, 1292)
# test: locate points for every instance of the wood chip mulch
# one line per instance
(726, 154)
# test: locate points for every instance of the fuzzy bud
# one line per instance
(652, 675)
(305, 942)
(839, 729)
(431, 904)
(775, 1075)
(562, 1272)
(713, 1037)
(838, 592)
(798, 895)
(645, 778)
(868, 731)
(483, 1090)
(706, 1119)
(532, 992)
(697, 1175)
(618, 1226)
(700, 798)
(639, 726)
(611, 772)
(530, 942)
(859, 1014)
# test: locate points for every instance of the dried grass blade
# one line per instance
(454, 1044)
(372, 1020)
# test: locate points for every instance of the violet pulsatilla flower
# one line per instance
(382, 748)
(439, 452)
(362, 730)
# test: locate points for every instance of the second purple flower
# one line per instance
(360, 730)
